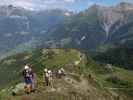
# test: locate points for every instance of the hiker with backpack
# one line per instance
(33, 78)
(46, 77)
(50, 78)
(60, 73)
(27, 74)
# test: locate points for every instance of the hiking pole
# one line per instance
(52, 83)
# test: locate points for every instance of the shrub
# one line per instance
(118, 82)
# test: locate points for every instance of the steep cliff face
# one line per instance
(113, 18)
(98, 26)
(108, 18)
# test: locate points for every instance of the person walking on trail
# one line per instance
(33, 78)
(61, 72)
(27, 78)
(50, 78)
(46, 77)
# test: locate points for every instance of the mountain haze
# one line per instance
(98, 26)
(95, 28)
(19, 26)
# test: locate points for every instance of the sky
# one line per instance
(74, 5)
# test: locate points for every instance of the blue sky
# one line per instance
(83, 4)
(75, 5)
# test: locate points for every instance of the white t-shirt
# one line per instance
(46, 74)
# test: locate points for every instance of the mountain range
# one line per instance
(89, 29)
(98, 26)
(19, 26)
(96, 29)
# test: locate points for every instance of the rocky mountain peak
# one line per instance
(125, 6)
(10, 10)
(94, 7)
(117, 14)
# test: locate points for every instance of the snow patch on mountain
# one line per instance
(67, 14)
(83, 38)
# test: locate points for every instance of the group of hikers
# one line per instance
(48, 75)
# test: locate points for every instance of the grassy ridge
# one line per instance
(96, 75)
(11, 67)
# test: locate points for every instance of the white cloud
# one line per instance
(131, 1)
(38, 4)
(69, 0)
(48, 4)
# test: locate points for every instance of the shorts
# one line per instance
(28, 81)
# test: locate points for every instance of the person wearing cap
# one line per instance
(46, 77)
(27, 79)
(61, 72)
(50, 78)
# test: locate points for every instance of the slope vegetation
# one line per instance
(86, 80)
